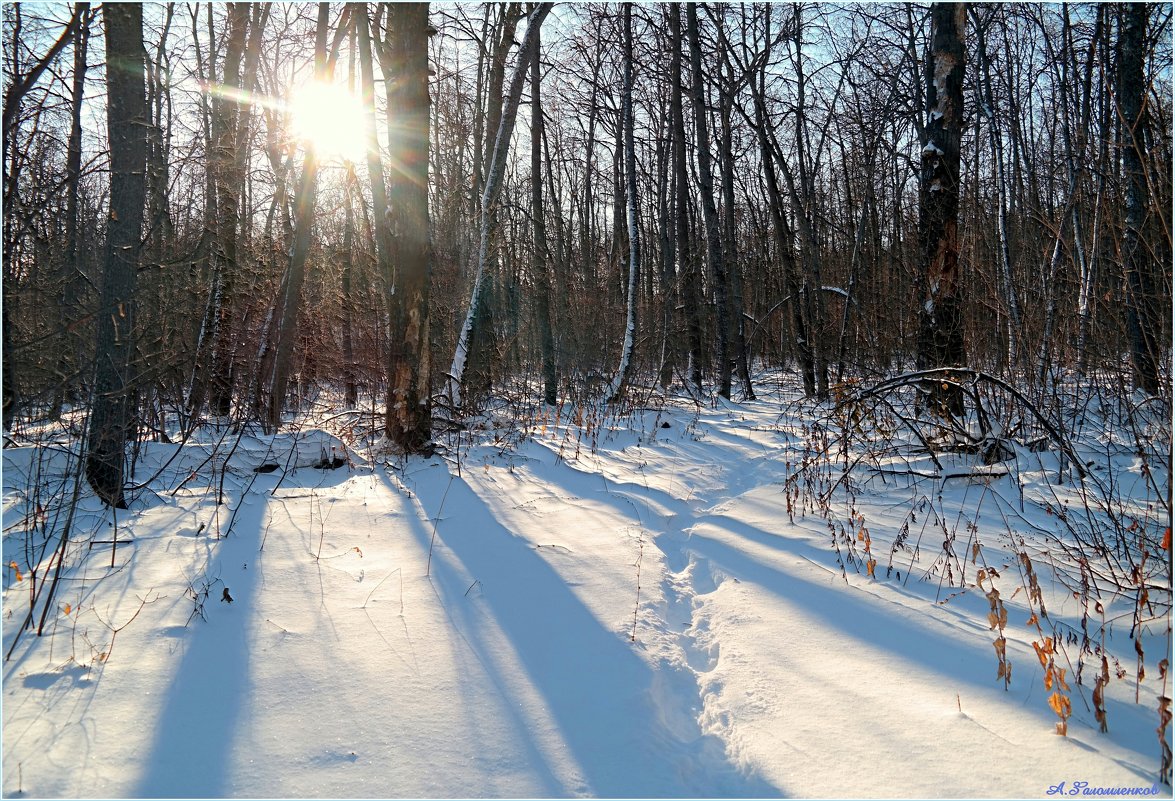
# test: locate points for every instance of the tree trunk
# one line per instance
(940, 336)
(714, 253)
(1007, 283)
(73, 276)
(214, 371)
(111, 420)
(782, 231)
(620, 380)
(483, 346)
(665, 249)
(381, 222)
(305, 201)
(730, 234)
(351, 388)
(687, 272)
(541, 260)
(409, 413)
(455, 378)
(1140, 289)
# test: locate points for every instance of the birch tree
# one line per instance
(940, 335)
(489, 196)
(620, 379)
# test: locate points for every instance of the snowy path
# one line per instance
(342, 670)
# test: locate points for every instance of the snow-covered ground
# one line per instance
(642, 606)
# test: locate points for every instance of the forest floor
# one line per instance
(574, 605)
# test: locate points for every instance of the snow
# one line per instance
(572, 605)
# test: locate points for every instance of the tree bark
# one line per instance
(783, 234)
(687, 271)
(73, 275)
(111, 420)
(620, 380)
(940, 336)
(541, 260)
(455, 378)
(714, 254)
(409, 413)
(1140, 289)
(305, 201)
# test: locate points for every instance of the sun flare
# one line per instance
(330, 118)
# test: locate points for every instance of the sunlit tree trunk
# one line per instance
(620, 380)
(940, 337)
(455, 378)
(409, 413)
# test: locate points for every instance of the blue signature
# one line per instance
(1085, 788)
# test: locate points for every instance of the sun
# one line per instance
(330, 118)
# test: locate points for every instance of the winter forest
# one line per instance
(587, 399)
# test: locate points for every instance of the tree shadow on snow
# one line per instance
(601, 696)
(193, 750)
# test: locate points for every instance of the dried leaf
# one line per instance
(67, 610)
(1033, 621)
(1060, 705)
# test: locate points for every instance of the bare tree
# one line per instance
(541, 258)
(1140, 291)
(409, 413)
(304, 205)
(940, 336)
(111, 420)
(620, 379)
(489, 196)
(686, 269)
(714, 254)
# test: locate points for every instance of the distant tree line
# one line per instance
(573, 201)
